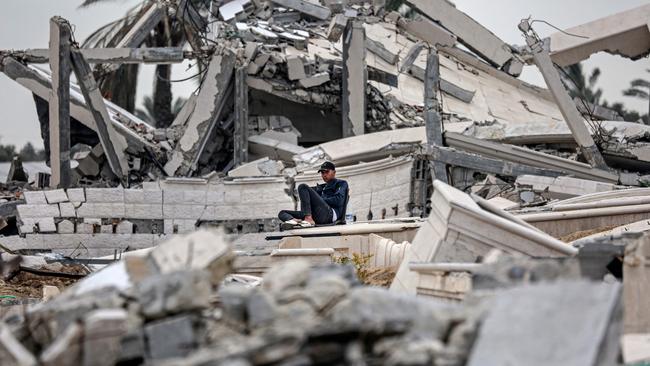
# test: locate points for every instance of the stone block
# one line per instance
(162, 346)
(103, 210)
(295, 67)
(35, 197)
(38, 211)
(67, 209)
(582, 316)
(66, 348)
(28, 226)
(65, 227)
(151, 186)
(215, 195)
(201, 249)
(105, 195)
(85, 228)
(143, 211)
(106, 229)
(56, 196)
(76, 194)
(103, 331)
(124, 227)
(134, 196)
(173, 293)
(168, 226)
(172, 211)
(315, 80)
(46, 225)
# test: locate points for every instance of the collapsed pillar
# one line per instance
(432, 111)
(240, 143)
(59, 102)
(355, 78)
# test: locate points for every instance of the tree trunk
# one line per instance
(162, 97)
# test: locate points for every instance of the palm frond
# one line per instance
(640, 83)
(638, 93)
(88, 3)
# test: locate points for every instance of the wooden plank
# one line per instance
(240, 137)
(153, 55)
(487, 165)
(59, 102)
(112, 142)
(432, 112)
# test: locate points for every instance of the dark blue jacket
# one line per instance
(333, 193)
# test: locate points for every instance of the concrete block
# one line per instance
(76, 194)
(37, 211)
(550, 314)
(143, 211)
(295, 67)
(185, 226)
(67, 209)
(106, 229)
(103, 210)
(28, 226)
(151, 186)
(162, 346)
(46, 225)
(201, 249)
(85, 228)
(35, 197)
(65, 227)
(315, 80)
(182, 211)
(215, 197)
(134, 196)
(153, 196)
(168, 226)
(103, 330)
(124, 227)
(56, 196)
(105, 195)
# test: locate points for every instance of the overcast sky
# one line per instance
(24, 24)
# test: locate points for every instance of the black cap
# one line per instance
(326, 166)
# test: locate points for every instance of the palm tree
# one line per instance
(581, 86)
(120, 86)
(639, 88)
(148, 112)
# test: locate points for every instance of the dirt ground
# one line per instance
(582, 234)
(28, 285)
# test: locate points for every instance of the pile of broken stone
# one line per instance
(178, 304)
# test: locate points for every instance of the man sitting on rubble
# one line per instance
(323, 204)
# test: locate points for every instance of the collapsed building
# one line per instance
(458, 171)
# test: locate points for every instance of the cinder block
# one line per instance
(105, 195)
(182, 211)
(56, 196)
(67, 209)
(143, 211)
(28, 226)
(124, 227)
(104, 210)
(107, 229)
(134, 196)
(38, 211)
(65, 227)
(169, 226)
(153, 196)
(46, 225)
(85, 228)
(151, 186)
(35, 197)
(76, 195)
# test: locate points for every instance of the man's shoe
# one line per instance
(288, 225)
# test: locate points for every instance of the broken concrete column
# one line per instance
(568, 109)
(210, 103)
(432, 111)
(240, 137)
(112, 142)
(295, 67)
(636, 285)
(355, 79)
(59, 102)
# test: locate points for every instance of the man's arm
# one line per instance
(338, 199)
